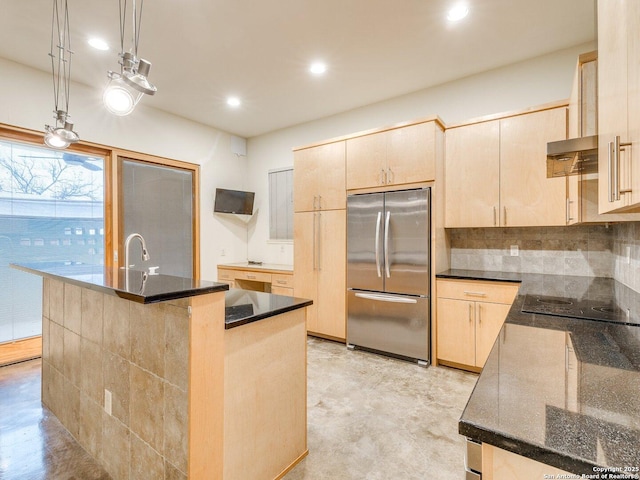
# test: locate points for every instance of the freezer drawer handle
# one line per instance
(385, 298)
(378, 244)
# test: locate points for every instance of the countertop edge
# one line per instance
(488, 276)
(144, 299)
(271, 313)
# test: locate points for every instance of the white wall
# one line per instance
(533, 82)
(26, 100)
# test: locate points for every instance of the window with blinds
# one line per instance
(281, 204)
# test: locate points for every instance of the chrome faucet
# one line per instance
(127, 242)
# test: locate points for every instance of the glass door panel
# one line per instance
(51, 211)
(158, 203)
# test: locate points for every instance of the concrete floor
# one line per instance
(370, 417)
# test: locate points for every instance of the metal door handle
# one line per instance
(386, 298)
(495, 222)
(569, 217)
(616, 168)
(315, 205)
(319, 242)
(314, 241)
(505, 216)
(475, 294)
(479, 314)
(470, 312)
(389, 175)
(251, 277)
(377, 246)
(281, 282)
(319, 202)
(621, 149)
(387, 260)
(610, 168)
(382, 177)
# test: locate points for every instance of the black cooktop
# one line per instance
(589, 309)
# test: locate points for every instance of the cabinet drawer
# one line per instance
(253, 276)
(282, 280)
(226, 275)
(492, 292)
(282, 291)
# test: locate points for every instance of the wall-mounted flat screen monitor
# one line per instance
(233, 201)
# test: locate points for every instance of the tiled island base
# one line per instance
(160, 368)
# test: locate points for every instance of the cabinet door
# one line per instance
(472, 175)
(332, 267)
(282, 291)
(612, 93)
(527, 196)
(633, 101)
(456, 331)
(489, 320)
(411, 154)
(332, 193)
(366, 161)
(305, 240)
(305, 179)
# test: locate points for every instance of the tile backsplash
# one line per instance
(626, 254)
(584, 250)
(576, 250)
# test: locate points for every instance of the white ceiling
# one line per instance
(259, 50)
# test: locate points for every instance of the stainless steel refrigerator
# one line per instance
(388, 272)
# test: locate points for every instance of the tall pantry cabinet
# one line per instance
(319, 235)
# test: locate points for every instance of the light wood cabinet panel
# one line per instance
(618, 103)
(225, 276)
(411, 154)
(282, 291)
(499, 464)
(393, 157)
(366, 161)
(469, 315)
(489, 320)
(456, 331)
(527, 196)
(472, 176)
(332, 274)
(282, 280)
(319, 178)
(320, 266)
(304, 262)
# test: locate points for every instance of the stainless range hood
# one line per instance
(572, 157)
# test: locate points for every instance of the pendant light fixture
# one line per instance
(61, 135)
(125, 89)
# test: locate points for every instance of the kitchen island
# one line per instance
(559, 395)
(159, 376)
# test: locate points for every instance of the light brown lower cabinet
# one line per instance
(320, 266)
(469, 317)
(498, 464)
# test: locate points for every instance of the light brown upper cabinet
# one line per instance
(496, 173)
(319, 178)
(397, 156)
(618, 105)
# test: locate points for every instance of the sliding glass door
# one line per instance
(51, 211)
(158, 203)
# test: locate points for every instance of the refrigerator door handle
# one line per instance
(387, 260)
(386, 298)
(377, 248)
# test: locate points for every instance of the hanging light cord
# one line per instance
(61, 80)
(137, 22)
(122, 23)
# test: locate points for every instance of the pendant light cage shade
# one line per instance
(61, 135)
(126, 89)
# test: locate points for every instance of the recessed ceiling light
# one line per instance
(457, 13)
(318, 68)
(98, 44)
(233, 101)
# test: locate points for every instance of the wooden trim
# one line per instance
(432, 118)
(391, 188)
(459, 366)
(290, 467)
(206, 387)
(20, 350)
(513, 113)
(588, 57)
(326, 337)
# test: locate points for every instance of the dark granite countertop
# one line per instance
(461, 274)
(562, 391)
(245, 306)
(133, 285)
